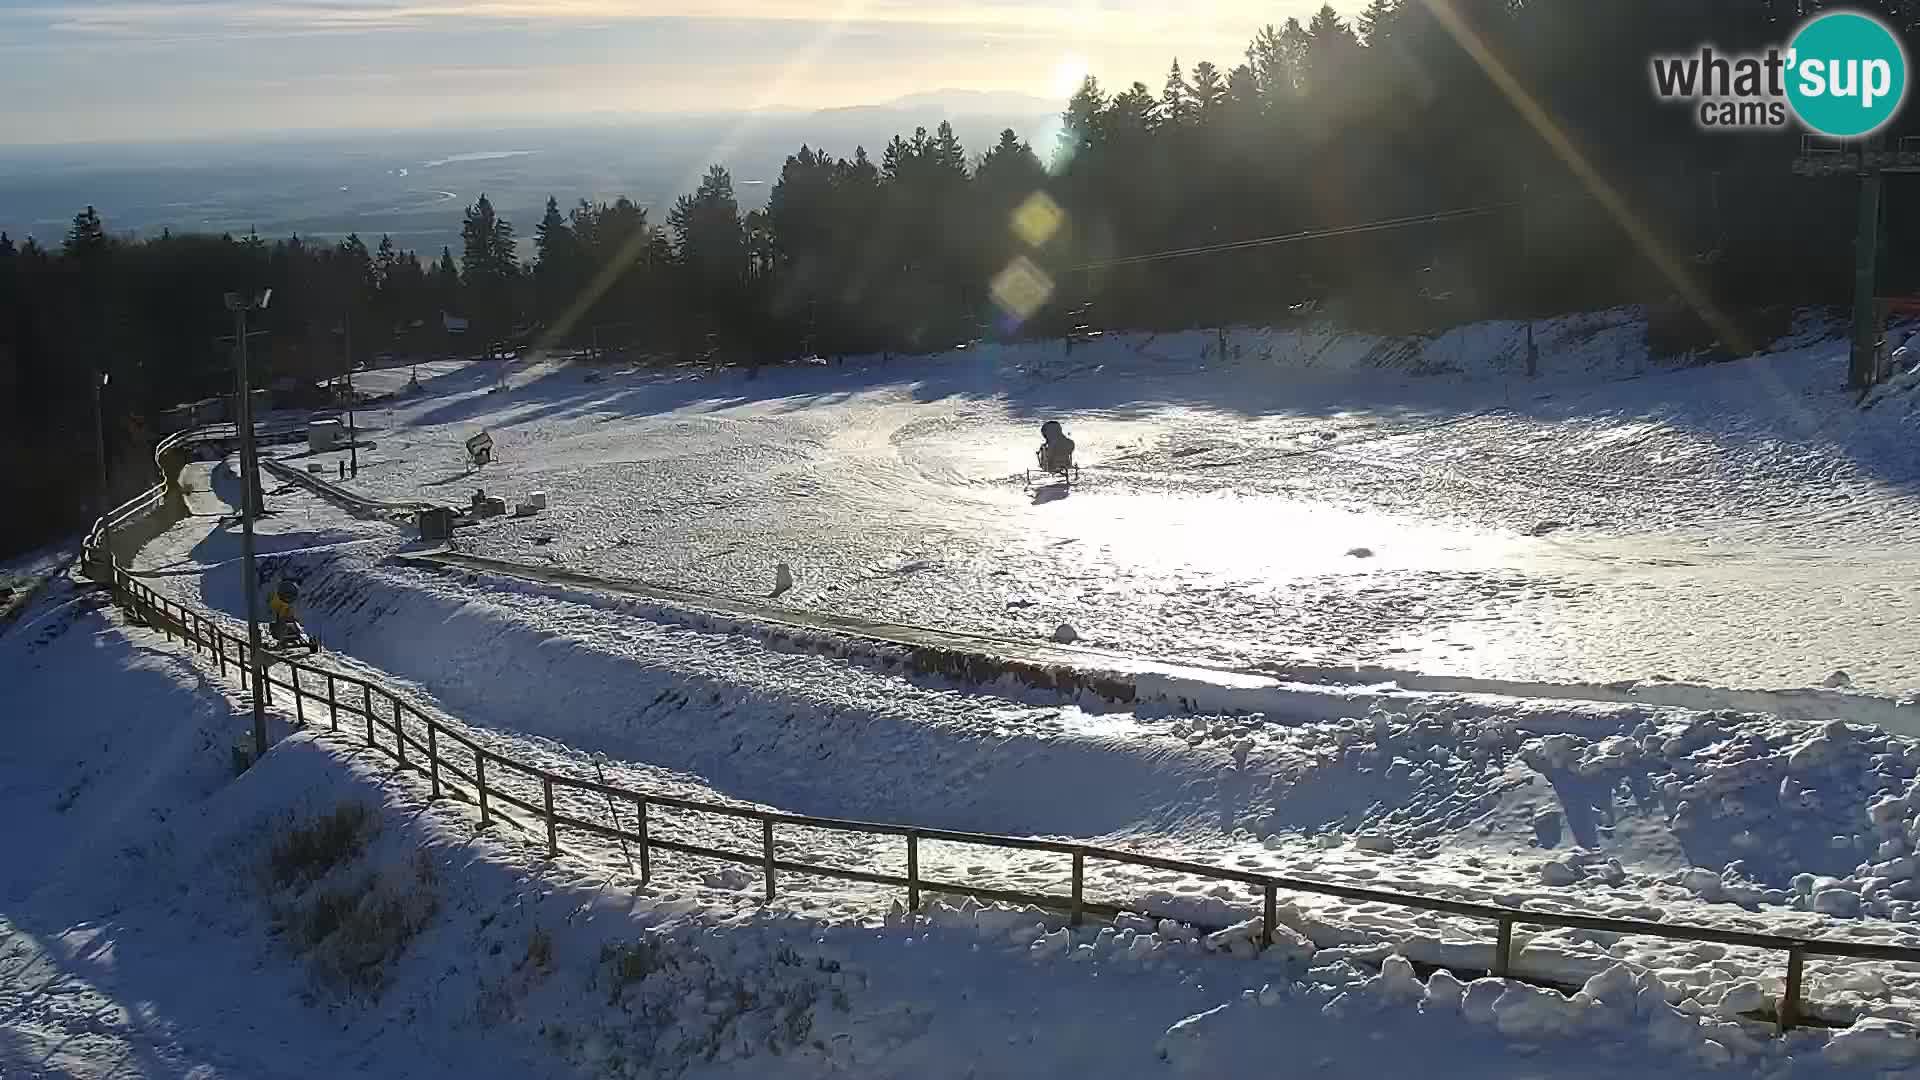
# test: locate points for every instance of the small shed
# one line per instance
(323, 435)
(435, 522)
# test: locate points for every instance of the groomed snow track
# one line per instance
(1112, 677)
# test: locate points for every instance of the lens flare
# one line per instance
(1037, 219)
(1021, 289)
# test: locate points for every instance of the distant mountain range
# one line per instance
(963, 103)
(413, 185)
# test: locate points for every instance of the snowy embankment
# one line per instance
(319, 897)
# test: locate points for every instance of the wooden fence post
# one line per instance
(1079, 885)
(646, 857)
(399, 732)
(766, 843)
(1789, 1012)
(553, 828)
(913, 872)
(220, 652)
(480, 781)
(299, 709)
(1503, 949)
(366, 701)
(333, 706)
(433, 755)
(1272, 915)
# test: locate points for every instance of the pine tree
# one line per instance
(1130, 115)
(556, 257)
(1209, 92)
(1330, 46)
(550, 237)
(1176, 101)
(710, 241)
(443, 283)
(6, 246)
(87, 238)
(359, 265)
(1243, 89)
(489, 268)
(385, 258)
(946, 154)
(487, 240)
(1275, 63)
(1377, 21)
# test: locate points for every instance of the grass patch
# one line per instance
(348, 920)
(307, 853)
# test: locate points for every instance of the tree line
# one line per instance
(1515, 145)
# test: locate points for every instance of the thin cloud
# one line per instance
(1105, 20)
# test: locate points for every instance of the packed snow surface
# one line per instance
(1308, 498)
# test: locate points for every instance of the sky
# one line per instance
(105, 70)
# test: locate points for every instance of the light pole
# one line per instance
(249, 506)
(353, 439)
(100, 443)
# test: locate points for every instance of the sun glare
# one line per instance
(1067, 74)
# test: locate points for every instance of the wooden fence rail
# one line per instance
(386, 730)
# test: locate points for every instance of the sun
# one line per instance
(1067, 74)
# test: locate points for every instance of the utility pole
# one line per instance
(100, 443)
(250, 505)
(353, 438)
(1869, 160)
(1865, 365)
(1526, 249)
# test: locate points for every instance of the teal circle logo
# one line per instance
(1847, 74)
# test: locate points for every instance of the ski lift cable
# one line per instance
(1385, 224)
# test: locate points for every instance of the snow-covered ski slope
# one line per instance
(1709, 817)
(1312, 498)
(517, 962)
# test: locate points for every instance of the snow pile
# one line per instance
(1761, 805)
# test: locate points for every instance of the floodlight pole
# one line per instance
(249, 506)
(100, 443)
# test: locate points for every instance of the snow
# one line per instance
(1552, 765)
(530, 967)
(1748, 499)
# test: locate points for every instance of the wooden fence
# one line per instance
(366, 711)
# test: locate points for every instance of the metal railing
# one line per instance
(379, 717)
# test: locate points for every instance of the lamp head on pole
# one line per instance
(256, 302)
